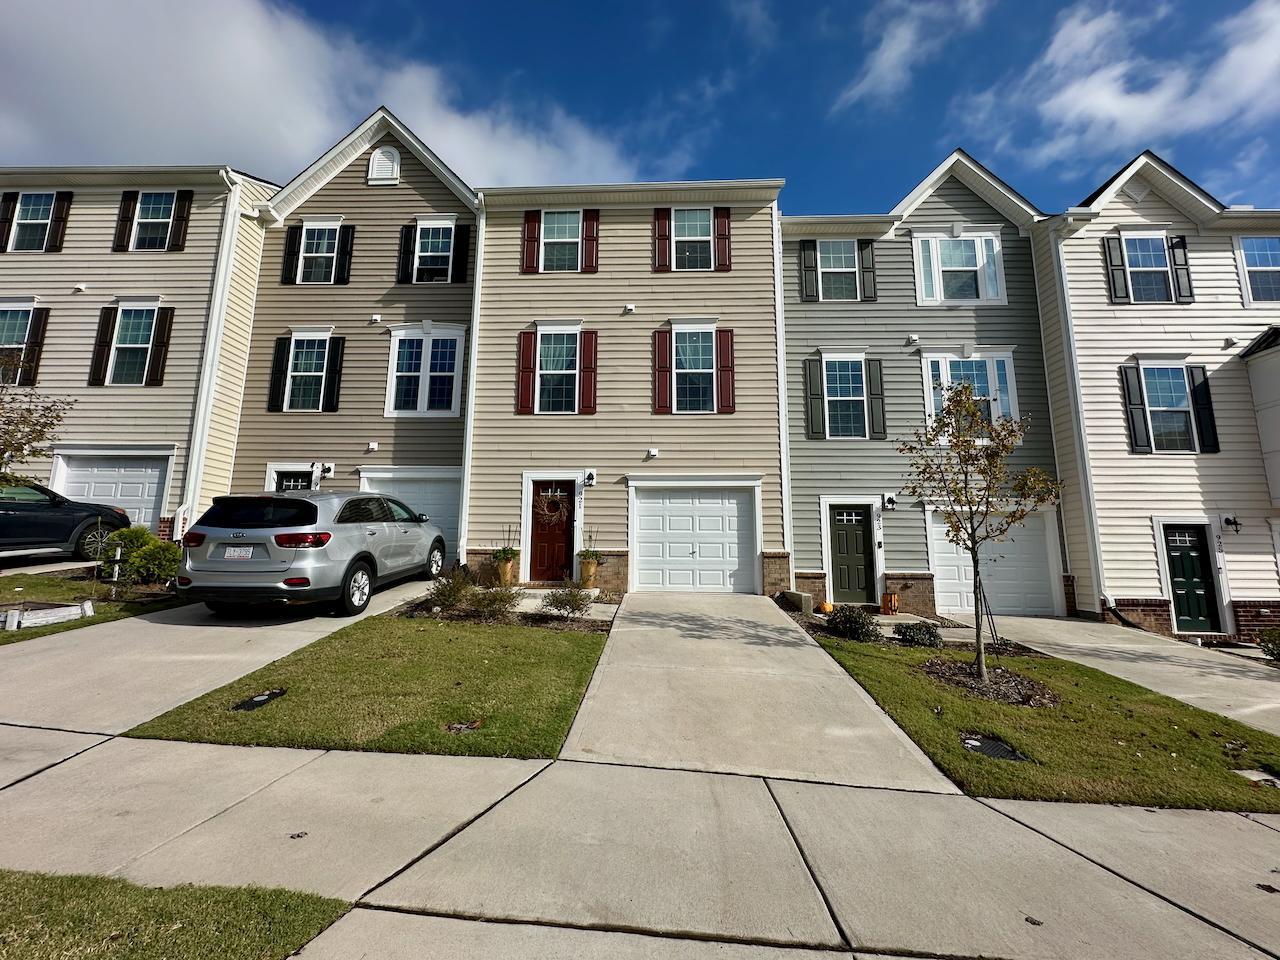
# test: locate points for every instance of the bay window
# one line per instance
(424, 378)
(959, 270)
(989, 374)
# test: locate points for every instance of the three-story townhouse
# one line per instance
(129, 290)
(1159, 307)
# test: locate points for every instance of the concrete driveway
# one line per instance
(1233, 686)
(730, 684)
(109, 677)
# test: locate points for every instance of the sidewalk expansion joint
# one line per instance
(37, 726)
(1261, 823)
(56, 763)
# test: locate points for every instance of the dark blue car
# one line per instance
(34, 519)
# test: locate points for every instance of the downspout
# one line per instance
(784, 439)
(473, 355)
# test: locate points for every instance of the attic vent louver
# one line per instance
(384, 166)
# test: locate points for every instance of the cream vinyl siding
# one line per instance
(377, 212)
(1129, 488)
(614, 440)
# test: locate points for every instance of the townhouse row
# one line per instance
(707, 393)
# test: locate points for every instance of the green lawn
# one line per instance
(392, 684)
(1108, 741)
(56, 587)
(59, 918)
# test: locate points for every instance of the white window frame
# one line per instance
(1163, 237)
(695, 326)
(306, 333)
(542, 239)
(711, 240)
(27, 306)
(860, 359)
(1157, 364)
(387, 181)
(334, 224)
(990, 356)
(979, 238)
(48, 224)
(137, 220)
(575, 329)
(1246, 291)
(426, 335)
(433, 221)
(121, 306)
(856, 271)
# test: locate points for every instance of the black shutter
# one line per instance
(124, 221)
(808, 271)
(159, 347)
(1135, 409)
(58, 221)
(279, 374)
(8, 210)
(1181, 270)
(102, 346)
(1202, 404)
(815, 412)
(181, 219)
(875, 400)
(461, 251)
(404, 261)
(333, 374)
(35, 346)
(292, 251)
(1117, 279)
(342, 263)
(867, 269)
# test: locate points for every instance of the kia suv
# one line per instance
(34, 519)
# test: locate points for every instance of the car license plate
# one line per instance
(237, 553)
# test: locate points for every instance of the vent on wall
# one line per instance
(384, 166)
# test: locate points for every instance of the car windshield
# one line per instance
(253, 513)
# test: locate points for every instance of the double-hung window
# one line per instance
(838, 269)
(131, 350)
(424, 379)
(319, 253)
(433, 256)
(694, 369)
(989, 374)
(1260, 257)
(1146, 260)
(557, 370)
(1168, 399)
(960, 270)
(561, 241)
(153, 222)
(304, 386)
(691, 239)
(31, 221)
(15, 324)
(845, 395)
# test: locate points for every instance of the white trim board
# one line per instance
(527, 478)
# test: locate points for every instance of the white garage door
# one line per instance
(134, 483)
(1016, 574)
(437, 497)
(696, 539)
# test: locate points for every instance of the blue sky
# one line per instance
(851, 102)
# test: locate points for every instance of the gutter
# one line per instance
(783, 427)
(473, 356)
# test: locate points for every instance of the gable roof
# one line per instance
(379, 123)
(1170, 182)
(1269, 339)
(1008, 201)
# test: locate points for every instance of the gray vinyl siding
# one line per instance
(377, 212)
(862, 469)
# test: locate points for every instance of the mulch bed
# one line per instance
(543, 621)
(1001, 648)
(1002, 686)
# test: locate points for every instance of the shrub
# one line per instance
(854, 624)
(569, 601)
(1269, 641)
(452, 593)
(495, 605)
(918, 634)
(156, 562)
(130, 540)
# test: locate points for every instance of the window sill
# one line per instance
(420, 414)
(962, 304)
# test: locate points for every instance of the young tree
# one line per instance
(28, 421)
(959, 461)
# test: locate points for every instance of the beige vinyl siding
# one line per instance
(614, 440)
(1130, 489)
(377, 212)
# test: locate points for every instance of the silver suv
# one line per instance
(305, 546)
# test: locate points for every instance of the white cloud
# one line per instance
(755, 20)
(257, 85)
(910, 33)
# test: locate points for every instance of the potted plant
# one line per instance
(505, 560)
(588, 562)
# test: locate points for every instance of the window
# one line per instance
(23, 494)
(131, 352)
(293, 480)
(991, 377)
(364, 510)
(838, 269)
(694, 370)
(960, 270)
(399, 512)
(319, 253)
(691, 236)
(14, 325)
(153, 222)
(1146, 258)
(424, 378)
(434, 255)
(1169, 408)
(561, 241)
(844, 392)
(304, 388)
(31, 223)
(1261, 256)
(557, 371)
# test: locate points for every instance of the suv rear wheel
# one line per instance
(91, 542)
(357, 588)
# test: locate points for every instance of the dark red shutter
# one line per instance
(662, 241)
(102, 346)
(58, 221)
(292, 251)
(724, 252)
(159, 347)
(404, 260)
(342, 262)
(8, 210)
(124, 221)
(662, 370)
(529, 241)
(461, 251)
(590, 241)
(526, 370)
(35, 346)
(333, 357)
(725, 396)
(279, 374)
(181, 220)
(588, 342)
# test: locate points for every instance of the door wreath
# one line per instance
(551, 508)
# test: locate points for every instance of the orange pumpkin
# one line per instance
(825, 607)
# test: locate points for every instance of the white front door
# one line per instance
(437, 497)
(695, 539)
(135, 484)
(1017, 574)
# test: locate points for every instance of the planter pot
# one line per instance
(587, 570)
(889, 604)
(506, 572)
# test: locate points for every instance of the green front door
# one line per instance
(1195, 599)
(852, 569)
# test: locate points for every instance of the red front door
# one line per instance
(552, 540)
